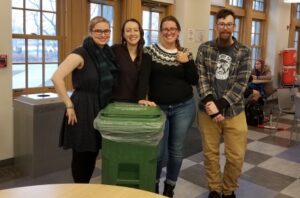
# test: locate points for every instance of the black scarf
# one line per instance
(104, 61)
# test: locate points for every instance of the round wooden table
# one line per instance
(76, 191)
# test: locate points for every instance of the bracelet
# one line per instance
(70, 107)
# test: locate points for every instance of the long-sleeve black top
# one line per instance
(126, 88)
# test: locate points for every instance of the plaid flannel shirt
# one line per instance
(239, 73)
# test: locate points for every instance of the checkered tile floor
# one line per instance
(271, 168)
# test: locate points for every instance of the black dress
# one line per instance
(82, 136)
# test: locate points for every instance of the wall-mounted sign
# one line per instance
(3, 60)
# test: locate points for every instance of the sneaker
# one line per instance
(229, 196)
(169, 190)
(214, 194)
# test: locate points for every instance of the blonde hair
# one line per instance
(96, 20)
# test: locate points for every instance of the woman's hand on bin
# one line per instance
(147, 103)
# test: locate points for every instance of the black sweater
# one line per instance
(165, 80)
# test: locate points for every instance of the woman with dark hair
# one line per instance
(93, 72)
(168, 81)
(129, 57)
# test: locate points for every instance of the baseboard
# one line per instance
(6, 162)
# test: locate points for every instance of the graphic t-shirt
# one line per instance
(222, 71)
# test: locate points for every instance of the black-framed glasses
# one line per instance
(166, 30)
(223, 25)
(99, 31)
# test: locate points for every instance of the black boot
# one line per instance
(169, 190)
(214, 194)
(229, 196)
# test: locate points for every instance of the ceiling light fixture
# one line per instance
(291, 1)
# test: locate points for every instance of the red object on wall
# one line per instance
(3, 60)
(289, 57)
(289, 75)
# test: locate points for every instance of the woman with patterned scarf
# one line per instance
(168, 81)
(94, 73)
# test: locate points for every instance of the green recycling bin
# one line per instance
(130, 136)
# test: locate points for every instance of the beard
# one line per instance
(225, 38)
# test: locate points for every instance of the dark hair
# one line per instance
(141, 43)
(223, 13)
(172, 18)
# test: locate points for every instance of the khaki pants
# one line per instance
(234, 131)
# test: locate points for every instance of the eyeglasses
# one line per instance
(223, 25)
(99, 31)
(171, 30)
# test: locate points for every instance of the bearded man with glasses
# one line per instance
(224, 67)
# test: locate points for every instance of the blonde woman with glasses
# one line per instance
(93, 72)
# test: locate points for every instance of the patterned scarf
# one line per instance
(104, 61)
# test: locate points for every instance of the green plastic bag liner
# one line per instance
(130, 122)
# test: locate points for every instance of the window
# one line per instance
(211, 27)
(35, 43)
(107, 11)
(256, 40)
(258, 5)
(296, 39)
(153, 12)
(236, 32)
(298, 11)
(151, 21)
(236, 3)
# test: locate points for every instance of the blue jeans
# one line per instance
(179, 118)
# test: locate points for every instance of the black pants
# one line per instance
(83, 165)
